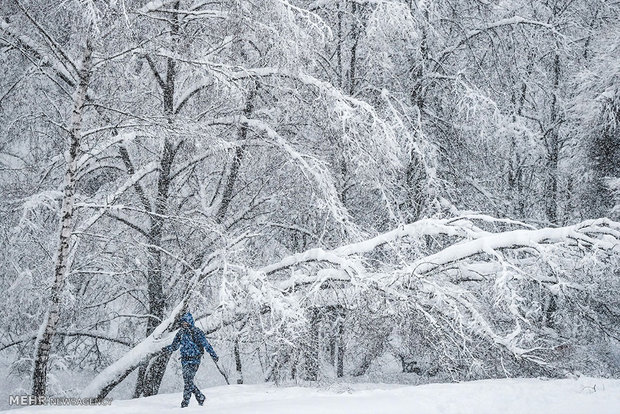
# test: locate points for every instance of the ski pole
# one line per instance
(222, 372)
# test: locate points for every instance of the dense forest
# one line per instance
(324, 184)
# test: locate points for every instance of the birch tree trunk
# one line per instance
(48, 328)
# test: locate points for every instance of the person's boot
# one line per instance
(184, 403)
(201, 399)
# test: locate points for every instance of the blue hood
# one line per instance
(188, 318)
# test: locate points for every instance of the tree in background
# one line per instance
(229, 149)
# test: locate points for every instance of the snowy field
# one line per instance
(505, 396)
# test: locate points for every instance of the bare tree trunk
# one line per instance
(339, 46)
(415, 174)
(312, 350)
(553, 149)
(515, 175)
(237, 159)
(148, 384)
(355, 34)
(340, 343)
(44, 342)
(550, 307)
(238, 362)
(311, 354)
(150, 376)
(369, 356)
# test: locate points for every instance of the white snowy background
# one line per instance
(367, 205)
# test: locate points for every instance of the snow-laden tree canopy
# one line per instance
(328, 185)
(483, 283)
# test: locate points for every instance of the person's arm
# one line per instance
(175, 344)
(207, 346)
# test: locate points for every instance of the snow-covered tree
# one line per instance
(325, 184)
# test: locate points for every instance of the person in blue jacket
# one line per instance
(193, 343)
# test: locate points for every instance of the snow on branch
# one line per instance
(411, 275)
(44, 200)
(309, 14)
(56, 49)
(90, 155)
(370, 137)
(154, 5)
(511, 21)
(435, 281)
(37, 52)
(508, 22)
(315, 5)
(314, 169)
(521, 238)
(113, 198)
(417, 230)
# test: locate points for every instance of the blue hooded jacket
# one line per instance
(192, 341)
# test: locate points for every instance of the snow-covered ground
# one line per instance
(505, 396)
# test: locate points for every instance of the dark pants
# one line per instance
(189, 371)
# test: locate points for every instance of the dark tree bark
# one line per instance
(150, 376)
(238, 362)
(236, 162)
(553, 148)
(341, 348)
(312, 347)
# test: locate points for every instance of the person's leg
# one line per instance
(199, 396)
(189, 371)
